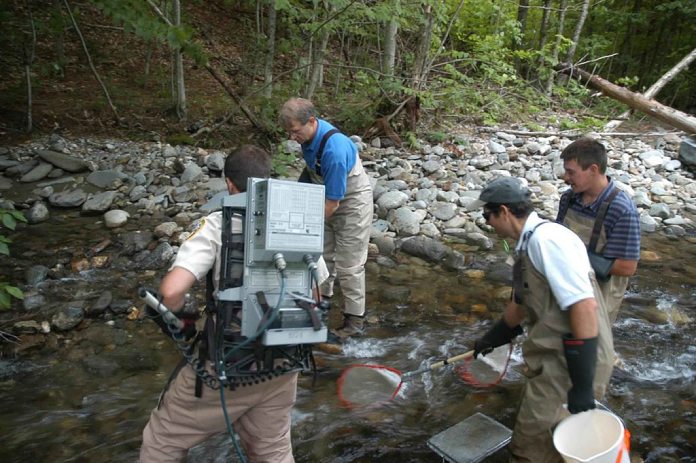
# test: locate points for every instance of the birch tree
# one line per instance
(578, 31)
(179, 67)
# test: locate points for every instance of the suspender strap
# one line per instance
(320, 151)
(563, 206)
(599, 221)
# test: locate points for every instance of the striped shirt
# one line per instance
(621, 223)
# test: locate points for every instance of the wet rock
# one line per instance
(68, 198)
(100, 305)
(5, 183)
(99, 202)
(26, 327)
(67, 318)
(425, 248)
(120, 306)
(101, 365)
(385, 244)
(35, 274)
(136, 241)
(115, 218)
(33, 301)
(63, 161)
(37, 213)
(166, 229)
(158, 258)
(109, 179)
(37, 173)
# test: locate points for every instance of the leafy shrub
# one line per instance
(9, 219)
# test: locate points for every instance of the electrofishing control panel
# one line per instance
(283, 240)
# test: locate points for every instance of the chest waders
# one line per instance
(547, 373)
(591, 231)
(314, 176)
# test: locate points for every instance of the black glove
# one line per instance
(601, 266)
(499, 334)
(187, 331)
(581, 356)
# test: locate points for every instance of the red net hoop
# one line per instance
(486, 371)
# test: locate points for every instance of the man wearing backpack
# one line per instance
(603, 216)
(332, 160)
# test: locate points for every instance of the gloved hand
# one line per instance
(499, 334)
(187, 331)
(581, 357)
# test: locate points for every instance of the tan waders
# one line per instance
(548, 382)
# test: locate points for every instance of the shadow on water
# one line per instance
(89, 398)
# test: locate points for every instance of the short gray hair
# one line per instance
(296, 110)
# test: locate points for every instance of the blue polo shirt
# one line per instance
(339, 157)
(621, 223)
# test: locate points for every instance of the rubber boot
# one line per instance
(353, 325)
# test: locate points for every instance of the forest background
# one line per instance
(214, 72)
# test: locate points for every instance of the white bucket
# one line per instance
(595, 436)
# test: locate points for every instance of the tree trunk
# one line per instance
(578, 31)
(59, 42)
(389, 55)
(29, 55)
(270, 50)
(557, 45)
(626, 46)
(423, 47)
(216, 75)
(656, 87)
(317, 63)
(637, 101)
(179, 66)
(89, 60)
(522, 10)
(543, 36)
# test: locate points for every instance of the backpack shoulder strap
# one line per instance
(320, 151)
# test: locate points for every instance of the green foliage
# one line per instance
(9, 219)
(281, 161)
(180, 139)
(436, 137)
(412, 140)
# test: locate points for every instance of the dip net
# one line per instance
(363, 385)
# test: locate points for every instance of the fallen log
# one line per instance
(656, 87)
(576, 134)
(637, 101)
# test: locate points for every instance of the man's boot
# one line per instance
(352, 326)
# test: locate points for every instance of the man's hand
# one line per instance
(499, 335)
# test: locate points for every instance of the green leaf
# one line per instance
(4, 249)
(15, 292)
(8, 221)
(4, 300)
(18, 215)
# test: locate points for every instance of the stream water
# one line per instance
(87, 398)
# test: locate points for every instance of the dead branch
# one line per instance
(655, 88)
(637, 101)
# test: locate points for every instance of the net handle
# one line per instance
(439, 364)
